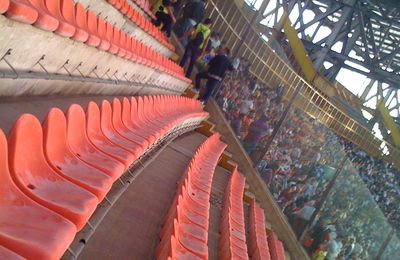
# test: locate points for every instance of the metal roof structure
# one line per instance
(359, 35)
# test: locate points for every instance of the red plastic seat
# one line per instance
(93, 39)
(22, 11)
(110, 37)
(276, 249)
(8, 254)
(22, 228)
(77, 16)
(35, 177)
(4, 5)
(112, 134)
(122, 129)
(100, 141)
(102, 32)
(127, 121)
(65, 162)
(84, 149)
(65, 28)
(45, 21)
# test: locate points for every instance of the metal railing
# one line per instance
(231, 21)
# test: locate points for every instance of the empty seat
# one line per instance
(27, 228)
(112, 134)
(8, 254)
(100, 141)
(22, 11)
(77, 16)
(65, 162)
(84, 149)
(276, 249)
(4, 5)
(45, 21)
(122, 129)
(233, 237)
(93, 39)
(186, 224)
(102, 32)
(65, 28)
(258, 246)
(35, 177)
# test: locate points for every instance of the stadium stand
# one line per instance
(101, 159)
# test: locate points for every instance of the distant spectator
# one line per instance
(196, 44)
(164, 18)
(192, 14)
(215, 73)
(257, 130)
(215, 41)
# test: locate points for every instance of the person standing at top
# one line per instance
(192, 14)
(215, 72)
(197, 42)
(164, 17)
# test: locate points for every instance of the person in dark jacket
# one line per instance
(164, 17)
(215, 72)
(192, 14)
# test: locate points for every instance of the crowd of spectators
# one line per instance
(299, 164)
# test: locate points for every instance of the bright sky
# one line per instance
(353, 81)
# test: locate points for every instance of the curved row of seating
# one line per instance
(68, 19)
(258, 245)
(185, 231)
(276, 248)
(232, 243)
(54, 175)
(125, 8)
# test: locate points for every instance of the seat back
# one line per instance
(81, 17)
(55, 136)
(4, 5)
(117, 114)
(68, 11)
(126, 112)
(93, 120)
(106, 118)
(27, 161)
(76, 130)
(7, 186)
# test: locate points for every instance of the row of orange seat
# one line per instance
(144, 5)
(68, 19)
(262, 247)
(185, 231)
(232, 243)
(277, 250)
(125, 8)
(54, 175)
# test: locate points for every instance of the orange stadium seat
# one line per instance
(110, 132)
(93, 39)
(102, 32)
(65, 28)
(100, 141)
(8, 254)
(45, 21)
(81, 33)
(84, 149)
(38, 180)
(122, 129)
(185, 229)
(22, 11)
(22, 229)
(128, 122)
(257, 236)
(233, 236)
(276, 249)
(4, 5)
(65, 162)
